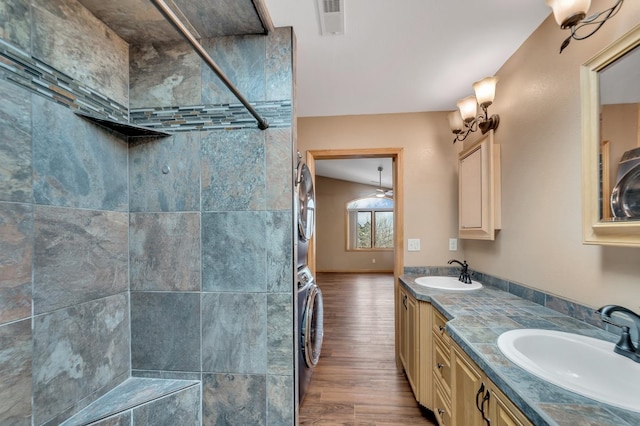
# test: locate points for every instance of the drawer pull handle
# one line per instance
(485, 399)
(480, 391)
(441, 411)
(441, 328)
(439, 365)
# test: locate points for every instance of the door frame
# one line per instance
(396, 155)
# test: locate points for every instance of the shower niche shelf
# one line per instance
(126, 129)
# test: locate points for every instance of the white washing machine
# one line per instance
(625, 197)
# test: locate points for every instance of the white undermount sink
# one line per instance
(580, 364)
(447, 283)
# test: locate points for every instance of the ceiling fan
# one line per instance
(380, 191)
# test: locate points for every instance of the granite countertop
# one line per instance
(478, 317)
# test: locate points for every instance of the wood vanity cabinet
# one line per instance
(409, 338)
(441, 367)
(479, 190)
(463, 394)
(414, 342)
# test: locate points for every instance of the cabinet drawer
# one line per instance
(439, 323)
(442, 365)
(442, 406)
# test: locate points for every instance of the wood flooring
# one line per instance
(356, 382)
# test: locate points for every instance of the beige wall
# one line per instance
(332, 196)
(540, 245)
(429, 174)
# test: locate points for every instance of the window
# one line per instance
(370, 224)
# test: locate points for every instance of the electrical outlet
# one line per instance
(413, 244)
(453, 244)
(373, 260)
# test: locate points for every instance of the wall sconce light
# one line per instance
(465, 119)
(570, 14)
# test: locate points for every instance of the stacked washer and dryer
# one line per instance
(309, 332)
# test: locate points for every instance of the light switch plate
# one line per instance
(453, 244)
(413, 244)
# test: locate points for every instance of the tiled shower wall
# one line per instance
(205, 255)
(211, 234)
(64, 201)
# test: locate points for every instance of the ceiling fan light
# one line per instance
(569, 12)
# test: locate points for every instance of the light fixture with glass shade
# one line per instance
(465, 119)
(572, 15)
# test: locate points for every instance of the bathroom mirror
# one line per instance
(611, 144)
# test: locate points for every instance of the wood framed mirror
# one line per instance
(610, 85)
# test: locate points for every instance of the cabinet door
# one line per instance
(411, 355)
(467, 388)
(471, 190)
(502, 412)
(479, 193)
(403, 332)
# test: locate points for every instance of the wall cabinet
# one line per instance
(463, 394)
(479, 190)
(414, 344)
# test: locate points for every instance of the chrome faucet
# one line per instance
(464, 271)
(625, 346)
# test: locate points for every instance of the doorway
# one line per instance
(395, 154)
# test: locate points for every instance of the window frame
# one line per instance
(372, 210)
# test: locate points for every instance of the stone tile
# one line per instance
(122, 419)
(164, 251)
(279, 160)
(567, 414)
(232, 399)
(234, 250)
(234, 336)
(233, 171)
(80, 255)
(279, 334)
(153, 190)
(165, 331)
(15, 23)
(242, 60)
(76, 163)
(164, 74)
(180, 408)
(77, 352)
(279, 252)
(15, 142)
(131, 393)
(222, 17)
(279, 64)
(16, 255)
(71, 39)
(280, 400)
(15, 365)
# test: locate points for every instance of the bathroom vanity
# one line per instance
(449, 352)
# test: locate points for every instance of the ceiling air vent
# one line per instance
(331, 17)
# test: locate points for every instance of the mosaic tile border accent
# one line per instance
(566, 307)
(34, 75)
(208, 117)
(22, 69)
